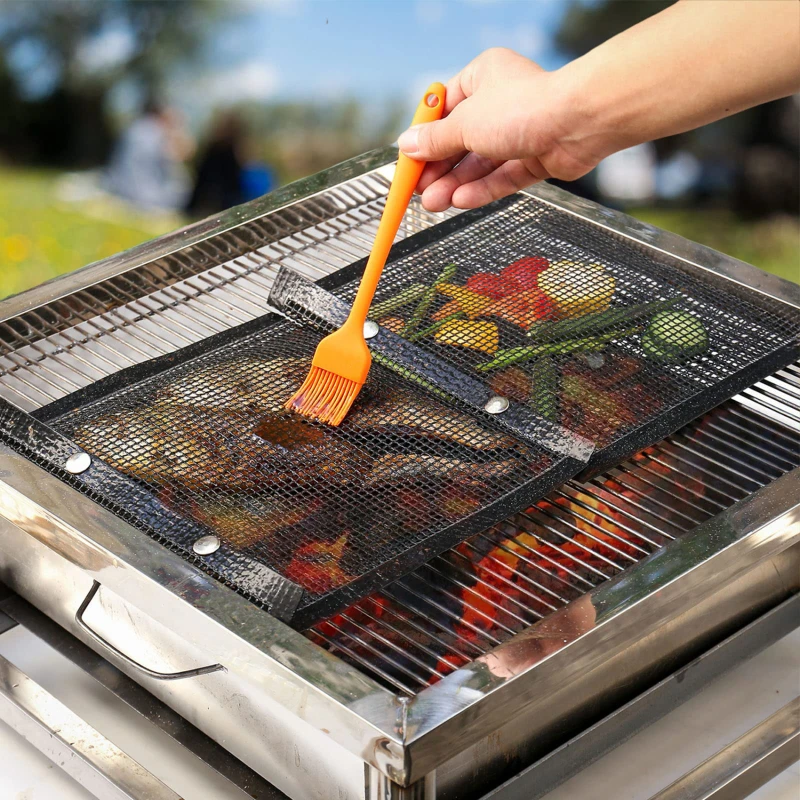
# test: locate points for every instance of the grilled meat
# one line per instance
(243, 521)
(176, 444)
(247, 385)
(421, 416)
(396, 466)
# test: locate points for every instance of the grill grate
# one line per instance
(467, 601)
(185, 297)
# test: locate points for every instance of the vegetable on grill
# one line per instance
(471, 303)
(393, 324)
(601, 322)
(588, 344)
(409, 295)
(494, 286)
(577, 289)
(544, 387)
(513, 383)
(446, 275)
(523, 309)
(674, 336)
(472, 334)
(415, 337)
(449, 309)
(525, 271)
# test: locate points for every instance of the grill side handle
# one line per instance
(106, 645)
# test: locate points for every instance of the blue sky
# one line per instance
(328, 49)
(320, 50)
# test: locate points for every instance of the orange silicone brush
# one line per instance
(342, 359)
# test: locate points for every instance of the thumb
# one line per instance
(433, 141)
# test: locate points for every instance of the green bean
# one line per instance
(600, 322)
(544, 390)
(415, 337)
(409, 375)
(420, 312)
(588, 344)
(408, 295)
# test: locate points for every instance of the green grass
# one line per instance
(772, 245)
(41, 237)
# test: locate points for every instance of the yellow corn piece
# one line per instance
(576, 289)
(473, 334)
(471, 303)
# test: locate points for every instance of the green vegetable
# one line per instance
(409, 375)
(588, 344)
(674, 336)
(544, 391)
(409, 295)
(421, 311)
(601, 322)
(415, 337)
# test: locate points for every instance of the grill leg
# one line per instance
(379, 787)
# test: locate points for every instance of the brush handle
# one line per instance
(406, 177)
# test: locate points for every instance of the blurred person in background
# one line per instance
(218, 180)
(147, 167)
(768, 181)
(227, 171)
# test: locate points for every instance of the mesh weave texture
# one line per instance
(321, 506)
(596, 332)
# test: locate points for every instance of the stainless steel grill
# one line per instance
(479, 666)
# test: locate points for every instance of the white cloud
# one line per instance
(527, 39)
(252, 80)
(429, 12)
(106, 50)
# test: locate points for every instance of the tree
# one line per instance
(79, 50)
(584, 27)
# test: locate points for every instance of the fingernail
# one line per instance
(409, 141)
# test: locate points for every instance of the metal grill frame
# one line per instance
(46, 524)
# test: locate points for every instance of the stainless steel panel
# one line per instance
(82, 752)
(746, 764)
(16, 611)
(241, 708)
(579, 752)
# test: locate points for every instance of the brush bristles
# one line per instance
(324, 396)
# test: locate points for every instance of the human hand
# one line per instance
(508, 123)
(506, 126)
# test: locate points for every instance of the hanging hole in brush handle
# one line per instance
(159, 676)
